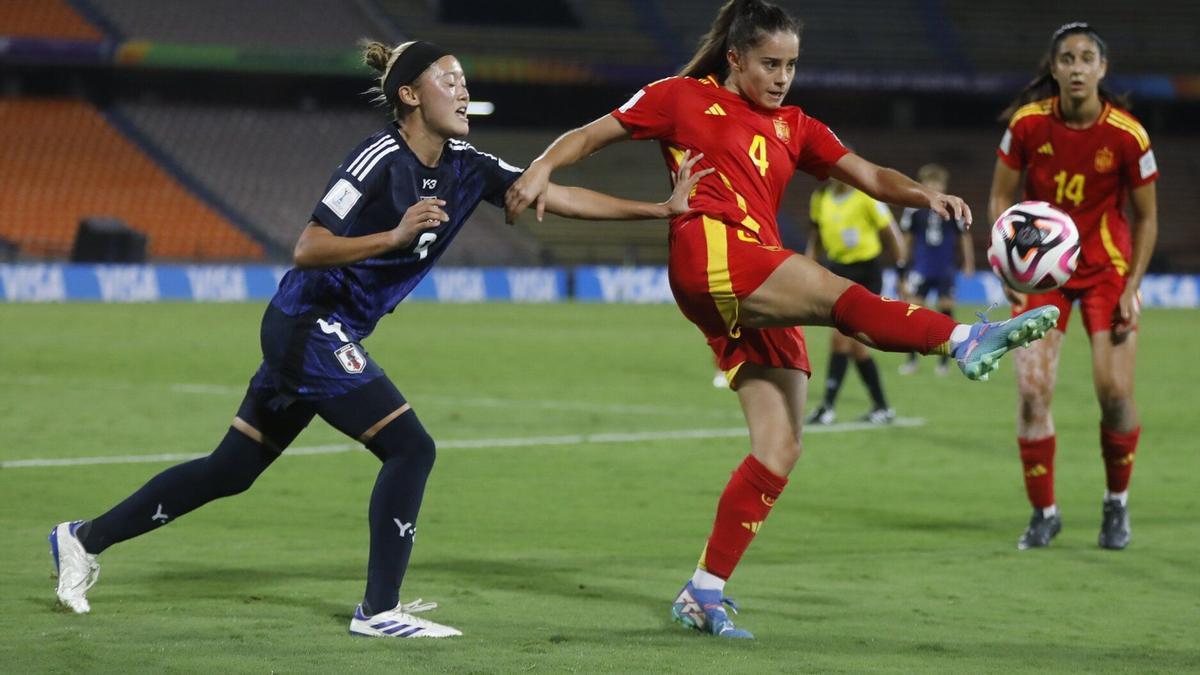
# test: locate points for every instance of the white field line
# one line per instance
(203, 389)
(533, 441)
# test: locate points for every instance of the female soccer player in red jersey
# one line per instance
(730, 274)
(1082, 152)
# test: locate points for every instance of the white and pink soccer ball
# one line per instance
(1034, 247)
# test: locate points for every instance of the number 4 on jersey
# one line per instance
(758, 154)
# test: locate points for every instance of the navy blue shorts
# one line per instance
(310, 357)
(312, 365)
(923, 285)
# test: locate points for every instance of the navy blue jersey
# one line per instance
(934, 242)
(369, 193)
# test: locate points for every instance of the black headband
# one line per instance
(409, 65)
(1073, 27)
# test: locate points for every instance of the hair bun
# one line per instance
(376, 54)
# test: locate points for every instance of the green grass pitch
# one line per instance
(891, 550)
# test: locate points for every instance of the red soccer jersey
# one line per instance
(1086, 172)
(754, 150)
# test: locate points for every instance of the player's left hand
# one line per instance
(531, 187)
(949, 206)
(1129, 310)
(685, 181)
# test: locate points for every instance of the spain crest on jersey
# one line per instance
(782, 130)
(1104, 160)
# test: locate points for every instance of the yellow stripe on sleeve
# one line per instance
(1130, 126)
(1043, 107)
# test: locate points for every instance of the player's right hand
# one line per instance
(529, 188)
(424, 215)
(685, 180)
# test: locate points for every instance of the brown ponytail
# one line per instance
(381, 57)
(740, 26)
(1044, 86)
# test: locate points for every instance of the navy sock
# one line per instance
(230, 469)
(870, 375)
(833, 382)
(408, 454)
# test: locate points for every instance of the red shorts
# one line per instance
(712, 268)
(1099, 302)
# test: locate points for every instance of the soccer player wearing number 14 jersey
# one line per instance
(1081, 151)
(731, 276)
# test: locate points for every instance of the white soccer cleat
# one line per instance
(76, 568)
(399, 623)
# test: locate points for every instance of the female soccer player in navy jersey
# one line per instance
(387, 215)
(1081, 151)
(732, 278)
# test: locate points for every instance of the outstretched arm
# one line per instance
(569, 148)
(577, 202)
(893, 187)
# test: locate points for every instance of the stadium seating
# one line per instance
(272, 165)
(610, 35)
(44, 19)
(310, 24)
(1013, 38)
(63, 161)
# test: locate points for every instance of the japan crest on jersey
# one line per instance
(351, 358)
(782, 130)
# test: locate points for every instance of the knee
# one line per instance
(232, 469)
(405, 438)
(780, 457)
(1034, 412)
(1116, 402)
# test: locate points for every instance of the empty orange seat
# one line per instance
(62, 162)
(44, 19)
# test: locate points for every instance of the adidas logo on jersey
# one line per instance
(715, 109)
(753, 527)
(1046, 149)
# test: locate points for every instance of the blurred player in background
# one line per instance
(932, 242)
(851, 230)
(732, 278)
(1081, 151)
(390, 210)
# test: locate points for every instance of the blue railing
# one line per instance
(238, 283)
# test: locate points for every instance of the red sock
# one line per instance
(748, 498)
(1038, 458)
(891, 325)
(1118, 450)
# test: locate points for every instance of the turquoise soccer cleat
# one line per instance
(980, 353)
(704, 610)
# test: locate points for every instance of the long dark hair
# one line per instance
(740, 25)
(1044, 86)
